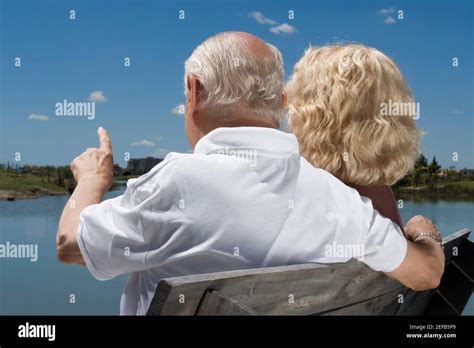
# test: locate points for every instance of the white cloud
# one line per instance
(390, 20)
(146, 143)
(178, 110)
(97, 97)
(260, 18)
(38, 117)
(276, 28)
(386, 11)
(284, 28)
(160, 153)
(387, 14)
(457, 112)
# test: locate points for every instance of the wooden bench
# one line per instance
(319, 289)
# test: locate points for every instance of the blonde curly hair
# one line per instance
(335, 97)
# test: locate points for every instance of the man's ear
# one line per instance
(193, 89)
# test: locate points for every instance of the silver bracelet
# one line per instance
(436, 237)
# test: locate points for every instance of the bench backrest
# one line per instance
(323, 289)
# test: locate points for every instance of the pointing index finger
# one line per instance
(104, 139)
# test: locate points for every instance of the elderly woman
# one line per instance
(352, 112)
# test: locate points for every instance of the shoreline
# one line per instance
(462, 191)
(12, 195)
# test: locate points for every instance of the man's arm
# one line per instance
(424, 261)
(383, 201)
(93, 173)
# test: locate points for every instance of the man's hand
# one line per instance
(95, 166)
(423, 265)
(419, 224)
(93, 173)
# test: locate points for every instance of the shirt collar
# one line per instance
(258, 138)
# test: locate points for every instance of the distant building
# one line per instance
(443, 173)
(30, 169)
(140, 166)
(466, 172)
(117, 170)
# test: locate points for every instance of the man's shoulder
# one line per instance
(321, 175)
(183, 162)
(175, 166)
(328, 185)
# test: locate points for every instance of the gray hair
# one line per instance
(236, 79)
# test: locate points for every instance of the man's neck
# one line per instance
(234, 121)
(262, 121)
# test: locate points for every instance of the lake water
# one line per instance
(49, 287)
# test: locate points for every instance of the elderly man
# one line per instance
(244, 199)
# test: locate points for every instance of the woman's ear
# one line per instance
(283, 101)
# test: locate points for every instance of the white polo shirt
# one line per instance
(245, 198)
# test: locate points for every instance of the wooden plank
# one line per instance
(402, 301)
(159, 299)
(288, 290)
(214, 303)
(326, 289)
(465, 259)
(452, 242)
(456, 288)
(386, 304)
(168, 290)
(457, 283)
(415, 302)
(439, 306)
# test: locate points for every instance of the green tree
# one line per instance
(416, 177)
(419, 172)
(421, 162)
(433, 171)
(434, 167)
(59, 176)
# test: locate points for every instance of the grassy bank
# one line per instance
(27, 183)
(125, 177)
(24, 185)
(455, 190)
(59, 181)
(18, 185)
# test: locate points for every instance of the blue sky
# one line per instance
(70, 59)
